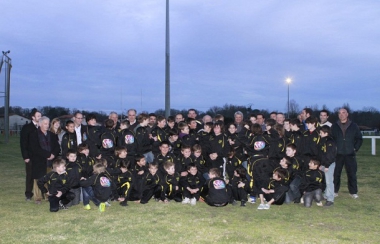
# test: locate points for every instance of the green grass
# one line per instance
(349, 221)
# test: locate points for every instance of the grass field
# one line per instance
(349, 221)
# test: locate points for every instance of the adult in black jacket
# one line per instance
(26, 131)
(44, 147)
(348, 139)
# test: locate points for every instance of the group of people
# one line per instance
(147, 157)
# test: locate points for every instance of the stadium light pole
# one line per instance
(288, 81)
(167, 64)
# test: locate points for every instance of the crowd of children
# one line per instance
(188, 162)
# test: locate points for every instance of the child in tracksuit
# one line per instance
(74, 173)
(275, 192)
(240, 186)
(215, 191)
(124, 183)
(57, 186)
(313, 184)
(151, 184)
(170, 184)
(101, 185)
(192, 184)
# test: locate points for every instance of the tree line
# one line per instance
(368, 116)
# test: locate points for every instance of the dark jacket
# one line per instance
(348, 137)
(327, 152)
(26, 131)
(55, 182)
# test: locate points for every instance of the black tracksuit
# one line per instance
(193, 182)
(151, 187)
(56, 182)
(215, 192)
(239, 193)
(169, 184)
(101, 184)
(69, 141)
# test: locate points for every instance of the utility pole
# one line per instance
(8, 65)
(167, 64)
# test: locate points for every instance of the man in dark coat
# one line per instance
(44, 147)
(26, 131)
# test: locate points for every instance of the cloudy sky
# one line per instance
(110, 55)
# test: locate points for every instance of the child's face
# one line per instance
(123, 126)
(193, 125)
(253, 120)
(206, 128)
(211, 175)
(286, 125)
(153, 170)
(232, 129)
(61, 169)
(310, 126)
(161, 123)
(174, 137)
(185, 130)
(323, 134)
(283, 163)
(276, 177)
(85, 151)
(171, 124)
(290, 152)
(123, 154)
(170, 170)
(217, 130)
(72, 157)
(92, 122)
(145, 122)
(293, 127)
(56, 125)
(236, 174)
(312, 165)
(164, 148)
(193, 170)
(268, 127)
(70, 128)
(197, 153)
(213, 156)
(142, 162)
(186, 152)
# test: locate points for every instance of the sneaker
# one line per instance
(266, 206)
(102, 207)
(242, 204)
(354, 196)
(261, 206)
(336, 194)
(28, 199)
(107, 204)
(186, 200)
(297, 200)
(193, 201)
(87, 207)
(252, 199)
(62, 207)
(124, 203)
(329, 204)
(301, 200)
(320, 204)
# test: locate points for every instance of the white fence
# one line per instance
(373, 143)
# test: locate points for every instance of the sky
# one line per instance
(110, 55)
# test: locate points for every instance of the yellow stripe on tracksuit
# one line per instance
(128, 185)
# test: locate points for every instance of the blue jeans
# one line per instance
(294, 190)
(329, 176)
(149, 157)
(88, 194)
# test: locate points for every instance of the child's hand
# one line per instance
(140, 172)
(99, 157)
(155, 138)
(59, 194)
(184, 173)
(227, 181)
(176, 188)
(123, 169)
(241, 185)
(82, 178)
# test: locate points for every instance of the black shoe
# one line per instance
(242, 204)
(62, 207)
(329, 204)
(297, 200)
(233, 203)
(124, 203)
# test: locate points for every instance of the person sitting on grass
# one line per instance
(240, 186)
(170, 184)
(192, 184)
(276, 190)
(215, 191)
(124, 183)
(313, 184)
(101, 185)
(58, 189)
(151, 184)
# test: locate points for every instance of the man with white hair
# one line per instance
(238, 121)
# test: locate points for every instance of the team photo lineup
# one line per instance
(186, 159)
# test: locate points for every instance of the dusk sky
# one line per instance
(110, 55)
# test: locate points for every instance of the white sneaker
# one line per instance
(336, 195)
(301, 200)
(267, 206)
(320, 204)
(354, 196)
(252, 199)
(186, 200)
(107, 204)
(193, 201)
(261, 206)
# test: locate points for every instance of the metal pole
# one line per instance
(288, 101)
(167, 64)
(7, 68)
